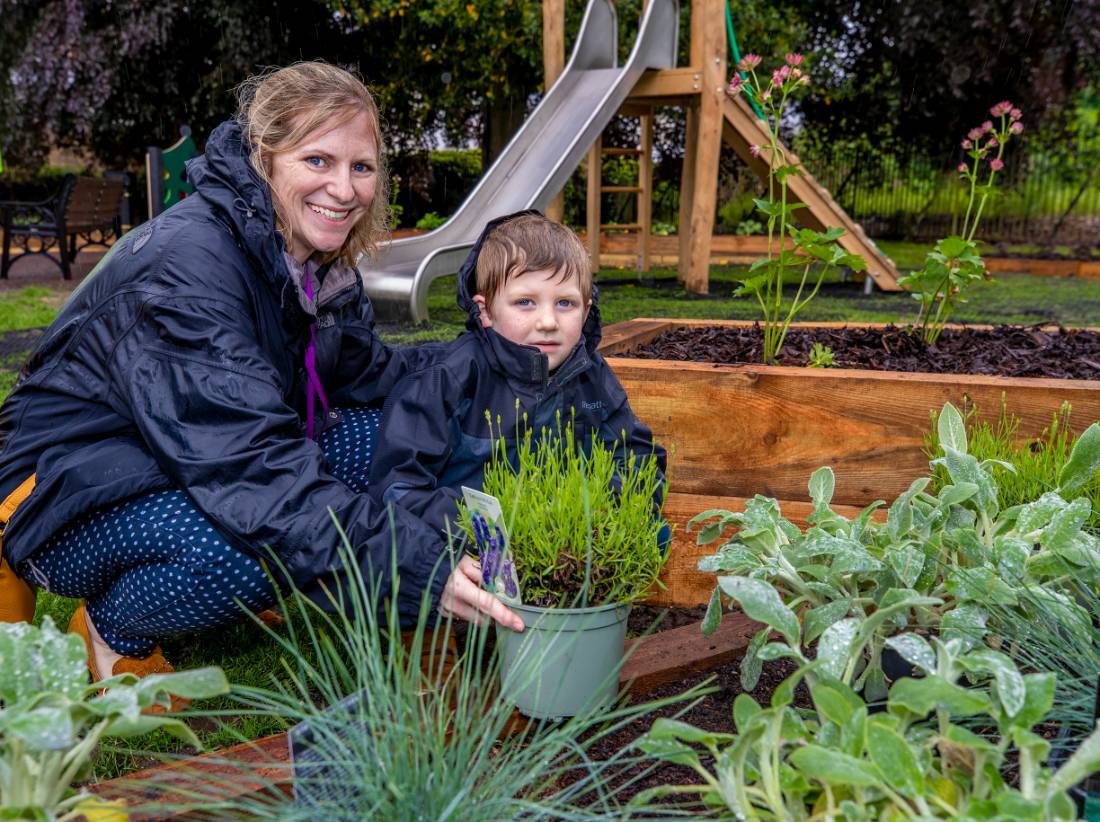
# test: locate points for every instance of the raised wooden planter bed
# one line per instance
(1085, 269)
(739, 430)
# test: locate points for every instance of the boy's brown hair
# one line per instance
(531, 242)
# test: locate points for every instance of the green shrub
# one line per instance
(430, 221)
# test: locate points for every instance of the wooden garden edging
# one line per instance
(738, 430)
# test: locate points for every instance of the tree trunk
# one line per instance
(500, 119)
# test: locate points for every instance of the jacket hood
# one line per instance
(514, 358)
(224, 176)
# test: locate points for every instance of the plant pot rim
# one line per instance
(591, 609)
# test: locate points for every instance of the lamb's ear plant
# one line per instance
(392, 737)
(840, 761)
(937, 561)
(52, 719)
(583, 516)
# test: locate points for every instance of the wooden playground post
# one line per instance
(553, 63)
(703, 145)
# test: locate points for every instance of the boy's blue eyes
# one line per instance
(523, 302)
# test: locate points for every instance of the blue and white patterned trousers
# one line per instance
(153, 566)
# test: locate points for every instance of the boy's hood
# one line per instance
(467, 288)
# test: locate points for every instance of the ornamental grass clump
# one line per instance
(801, 254)
(583, 522)
(955, 264)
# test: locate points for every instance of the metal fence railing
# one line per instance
(1042, 200)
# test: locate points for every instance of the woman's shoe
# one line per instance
(103, 662)
(16, 596)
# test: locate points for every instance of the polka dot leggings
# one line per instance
(153, 566)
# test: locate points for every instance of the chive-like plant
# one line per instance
(583, 518)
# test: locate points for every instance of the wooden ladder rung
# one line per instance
(621, 189)
(629, 152)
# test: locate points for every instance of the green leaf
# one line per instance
(832, 702)
(744, 709)
(1010, 684)
(760, 601)
(969, 739)
(853, 733)
(966, 623)
(776, 650)
(952, 247)
(906, 562)
(665, 728)
(1036, 516)
(818, 619)
(1083, 462)
(835, 645)
(952, 428)
(713, 617)
(833, 767)
(1038, 698)
(915, 650)
(894, 758)
(198, 683)
(957, 494)
(750, 662)
(1065, 525)
(822, 485)
(1084, 762)
(922, 696)
(46, 728)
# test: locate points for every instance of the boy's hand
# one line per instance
(463, 597)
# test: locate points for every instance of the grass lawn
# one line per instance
(248, 657)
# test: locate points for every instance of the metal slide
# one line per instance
(537, 162)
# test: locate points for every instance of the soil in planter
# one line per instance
(1003, 351)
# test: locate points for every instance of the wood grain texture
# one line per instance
(739, 430)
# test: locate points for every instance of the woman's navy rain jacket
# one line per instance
(179, 363)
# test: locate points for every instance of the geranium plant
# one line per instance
(583, 522)
(51, 719)
(801, 254)
(955, 264)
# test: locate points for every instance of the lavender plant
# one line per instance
(955, 264)
(581, 520)
(800, 253)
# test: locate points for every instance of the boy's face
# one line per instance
(538, 308)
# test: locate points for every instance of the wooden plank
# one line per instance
(738, 430)
(668, 85)
(250, 769)
(645, 197)
(687, 189)
(553, 64)
(671, 656)
(704, 27)
(595, 172)
(622, 337)
(743, 129)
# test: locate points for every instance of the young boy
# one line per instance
(533, 330)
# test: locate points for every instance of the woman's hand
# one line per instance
(464, 598)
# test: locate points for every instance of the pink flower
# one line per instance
(737, 84)
(1002, 108)
(796, 73)
(987, 126)
(1016, 128)
(974, 133)
(992, 143)
(996, 164)
(1015, 115)
(765, 95)
(967, 144)
(962, 168)
(749, 62)
(754, 150)
(794, 59)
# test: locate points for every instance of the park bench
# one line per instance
(86, 211)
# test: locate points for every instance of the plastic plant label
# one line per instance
(498, 570)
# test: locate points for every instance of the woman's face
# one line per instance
(325, 185)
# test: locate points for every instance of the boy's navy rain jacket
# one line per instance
(179, 363)
(435, 437)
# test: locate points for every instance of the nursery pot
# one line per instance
(566, 660)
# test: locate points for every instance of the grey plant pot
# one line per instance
(565, 662)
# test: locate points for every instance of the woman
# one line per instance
(163, 436)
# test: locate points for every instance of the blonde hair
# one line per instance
(531, 242)
(279, 109)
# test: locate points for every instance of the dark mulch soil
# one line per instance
(1004, 351)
